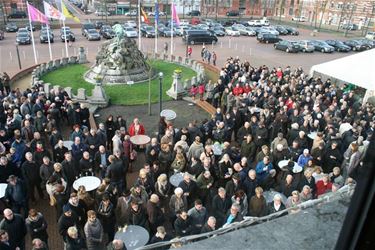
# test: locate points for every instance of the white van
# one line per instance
(370, 35)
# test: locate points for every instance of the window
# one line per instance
(290, 11)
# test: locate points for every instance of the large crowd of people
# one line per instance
(228, 162)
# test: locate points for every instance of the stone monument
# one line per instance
(177, 89)
(118, 61)
(82, 56)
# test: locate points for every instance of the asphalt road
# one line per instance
(244, 47)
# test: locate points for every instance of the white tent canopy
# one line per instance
(357, 69)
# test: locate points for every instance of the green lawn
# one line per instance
(72, 76)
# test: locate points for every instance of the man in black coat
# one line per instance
(101, 161)
(16, 195)
(331, 158)
(189, 187)
(209, 226)
(4, 241)
(30, 173)
(183, 225)
(115, 172)
(220, 205)
(67, 219)
(69, 169)
(14, 224)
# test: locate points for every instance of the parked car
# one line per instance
(247, 31)
(299, 19)
(130, 32)
(370, 35)
(44, 34)
(92, 35)
(131, 24)
(167, 32)
(148, 31)
(287, 46)
(322, 46)
(184, 22)
(306, 46)
(231, 31)
(349, 26)
(69, 34)
(107, 32)
(268, 38)
(233, 13)
(32, 27)
(292, 31)
(281, 29)
(217, 31)
(85, 27)
(199, 36)
(102, 13)
(270, 29)
(99, 24)
(338, 45)
(11, 27)
(259, 23)
(23, 38)
(368, 43)
(203, 26)
(17, 14)
(355, 45)
(194, 13)
(131, 13)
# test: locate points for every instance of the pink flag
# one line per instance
(174, 15)
(35, 15)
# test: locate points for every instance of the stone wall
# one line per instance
(186, 62)
(97, 97)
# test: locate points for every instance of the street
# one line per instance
(244, 47)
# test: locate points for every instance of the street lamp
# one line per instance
(160, 91)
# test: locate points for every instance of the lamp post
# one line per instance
(160, 91)
(18, 56)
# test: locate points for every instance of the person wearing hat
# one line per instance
(160, 236)
(67, 219)
(16, 195)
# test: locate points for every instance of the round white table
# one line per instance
(268, 195)
(176, 179)
(133, 237)
(169, 114)
(67, 144)
(140, 139)
(3, 187)
(312, 135)
(296, 168)
(89, 182)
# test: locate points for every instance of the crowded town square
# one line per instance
(158, 141)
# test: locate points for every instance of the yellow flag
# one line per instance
(67, 14)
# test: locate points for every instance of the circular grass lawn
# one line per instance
(136, 94)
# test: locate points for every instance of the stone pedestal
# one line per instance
(177, 89)
(82, 58)
(99, 98)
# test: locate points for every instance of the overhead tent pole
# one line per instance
(66, 42)
(172, 19)
(49, 43)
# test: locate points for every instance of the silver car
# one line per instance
(306, 46)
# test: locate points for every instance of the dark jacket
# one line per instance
(115, 171)
(258, 206)
(75, 244)
(70, 171)
(206, 228)
(220, 208)
(37, 228)
(16, 194)
(183, 227)
(271, 208)
(138, 218)
(64, 223)
(30, 172)
(16, 229)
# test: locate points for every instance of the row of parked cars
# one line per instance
(324, 46)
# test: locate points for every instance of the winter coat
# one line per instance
(258, 206)
(94, 235)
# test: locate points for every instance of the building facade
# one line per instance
(330, 12)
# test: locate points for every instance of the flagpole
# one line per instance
(66, 42)
(32, 34)
(49, 43)
(172, 5)
(156, 25)
(139, 25)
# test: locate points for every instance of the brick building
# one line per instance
(330, 12)
(246, 7)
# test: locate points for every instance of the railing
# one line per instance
(345, 191)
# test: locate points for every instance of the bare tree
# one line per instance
(282, 5)
(322, 10)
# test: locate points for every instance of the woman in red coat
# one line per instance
(323, 186)
(136, 128)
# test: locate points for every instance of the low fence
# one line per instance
(346, 191)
